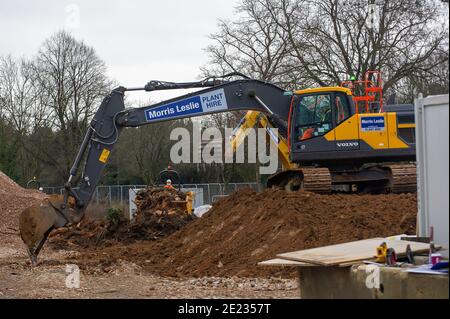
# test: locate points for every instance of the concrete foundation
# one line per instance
(367, 282)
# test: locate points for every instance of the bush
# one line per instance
(114, 215)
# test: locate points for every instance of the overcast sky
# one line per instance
(140, 40)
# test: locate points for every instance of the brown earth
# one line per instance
(122, 279)
(14, 199)
(247, 227)
(222, 249)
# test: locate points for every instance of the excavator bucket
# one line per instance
(36, 223)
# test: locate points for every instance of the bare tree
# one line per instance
(429, 81)
(21, 106)
(17, 95)
(253, 44)
(150, 149)
(327, 41)
(72, 81)
(332, 40)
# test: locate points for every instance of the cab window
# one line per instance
(342, 108)
(314, 116)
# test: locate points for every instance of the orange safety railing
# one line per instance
(367, 92)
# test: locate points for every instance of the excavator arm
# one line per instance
(215, 96)
(254, 119)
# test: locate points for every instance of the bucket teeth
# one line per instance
(33, 258)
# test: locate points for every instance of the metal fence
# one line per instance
(120, 193)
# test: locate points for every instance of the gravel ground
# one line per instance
(125, 280)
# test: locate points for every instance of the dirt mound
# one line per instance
(7, 184)
(14, 199)
(247, 227)
(160, 212)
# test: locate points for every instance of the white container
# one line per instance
(432, 144)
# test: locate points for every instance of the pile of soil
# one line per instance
(247, 227)
(160, 212)
(14, 199)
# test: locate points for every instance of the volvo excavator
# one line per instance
(322, 129)
(402, 176)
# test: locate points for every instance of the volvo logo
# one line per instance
(347, 144)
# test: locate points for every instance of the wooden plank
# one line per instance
(335, 254)
(285, 263)
(351, 252)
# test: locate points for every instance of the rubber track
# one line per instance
(318, 180)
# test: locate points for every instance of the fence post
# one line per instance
(209, 194)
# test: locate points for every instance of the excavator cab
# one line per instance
(315, 114)
(328, 130)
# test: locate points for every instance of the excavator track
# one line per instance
(317, 180)
(404, 179)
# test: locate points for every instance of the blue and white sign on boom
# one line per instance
(205, 103)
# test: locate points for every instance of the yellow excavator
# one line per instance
(321, 125)
(318, 180)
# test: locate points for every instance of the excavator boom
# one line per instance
(112, 116)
